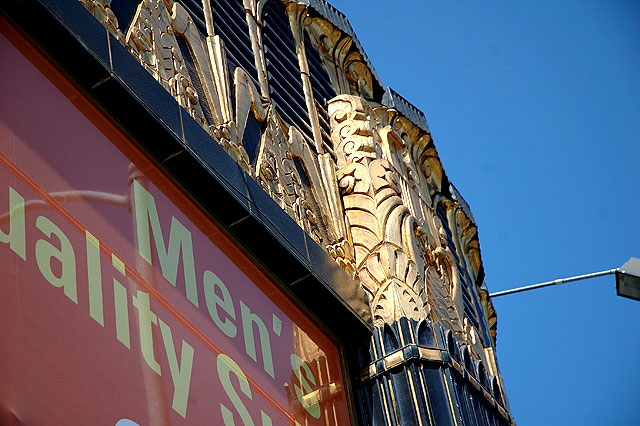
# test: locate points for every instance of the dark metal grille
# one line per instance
(285, 85)
(230, 24)
(322, 90)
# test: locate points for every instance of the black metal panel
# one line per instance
(124, 11)
(437, 394)
(445, 386)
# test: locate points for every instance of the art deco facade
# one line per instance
(285, 88)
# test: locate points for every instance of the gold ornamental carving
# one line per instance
(368, 192)
(373, 193)
(400, 254)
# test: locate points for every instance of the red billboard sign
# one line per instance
(120, 301)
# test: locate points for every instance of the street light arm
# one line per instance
(554, 282)
(74, 195)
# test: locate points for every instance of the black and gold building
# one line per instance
(269, 117)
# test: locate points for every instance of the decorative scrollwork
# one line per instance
(152, 40)
(400, 253)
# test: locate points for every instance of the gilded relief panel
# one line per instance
(369, 199)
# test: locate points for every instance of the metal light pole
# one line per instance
(627, 281)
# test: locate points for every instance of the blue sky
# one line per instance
(535, 111)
